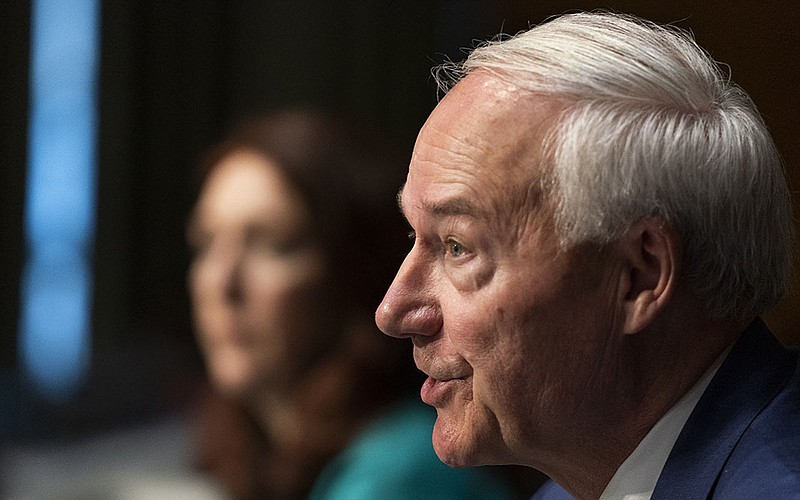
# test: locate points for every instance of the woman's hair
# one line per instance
(652, 127)
(348, 178)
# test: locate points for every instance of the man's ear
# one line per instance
(652, 252)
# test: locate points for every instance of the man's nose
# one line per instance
(409, 307)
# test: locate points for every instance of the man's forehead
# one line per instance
(480, 151)
(446, 207)
(484, 110)
(479, 95)
(483, 85)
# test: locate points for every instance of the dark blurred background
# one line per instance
(173, 76)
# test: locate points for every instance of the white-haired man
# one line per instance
(599, 217)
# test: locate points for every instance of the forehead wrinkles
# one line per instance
(516, 170)
(507, 198)
(451, 156)
(486, 141)
(447, 181)
(524, 153)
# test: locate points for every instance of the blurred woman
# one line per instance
(295, 236)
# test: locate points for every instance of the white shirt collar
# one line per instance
(636, 478)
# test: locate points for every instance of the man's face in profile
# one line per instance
(510, 328)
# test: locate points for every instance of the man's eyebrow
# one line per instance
(400, 198)
(450, 207)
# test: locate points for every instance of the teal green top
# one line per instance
(393, 459)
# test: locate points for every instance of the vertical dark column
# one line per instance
(14, 59)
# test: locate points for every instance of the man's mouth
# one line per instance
(435, 392)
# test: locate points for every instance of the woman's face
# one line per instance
(256, 278)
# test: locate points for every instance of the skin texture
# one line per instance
(558, 359)
(255, 278)
(482, 292)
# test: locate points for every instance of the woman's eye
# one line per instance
(455, 249)
(272, 246)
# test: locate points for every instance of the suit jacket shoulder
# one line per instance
(743, 438)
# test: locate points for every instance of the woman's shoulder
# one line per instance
(393, 457)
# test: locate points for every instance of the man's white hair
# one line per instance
(652, 127)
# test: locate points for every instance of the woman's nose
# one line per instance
(410, 307)
(222, 266)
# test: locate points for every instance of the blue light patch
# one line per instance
(55, 333)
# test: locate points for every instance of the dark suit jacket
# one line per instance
(742, 440)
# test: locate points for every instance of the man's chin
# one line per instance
(451, 445)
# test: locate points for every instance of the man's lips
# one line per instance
(435, 391)
(444, 373)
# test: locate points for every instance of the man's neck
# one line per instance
(636, 478)
(656, 369)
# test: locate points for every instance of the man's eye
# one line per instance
(455, 249)
(412, 235)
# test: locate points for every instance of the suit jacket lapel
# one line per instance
(753, 373)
